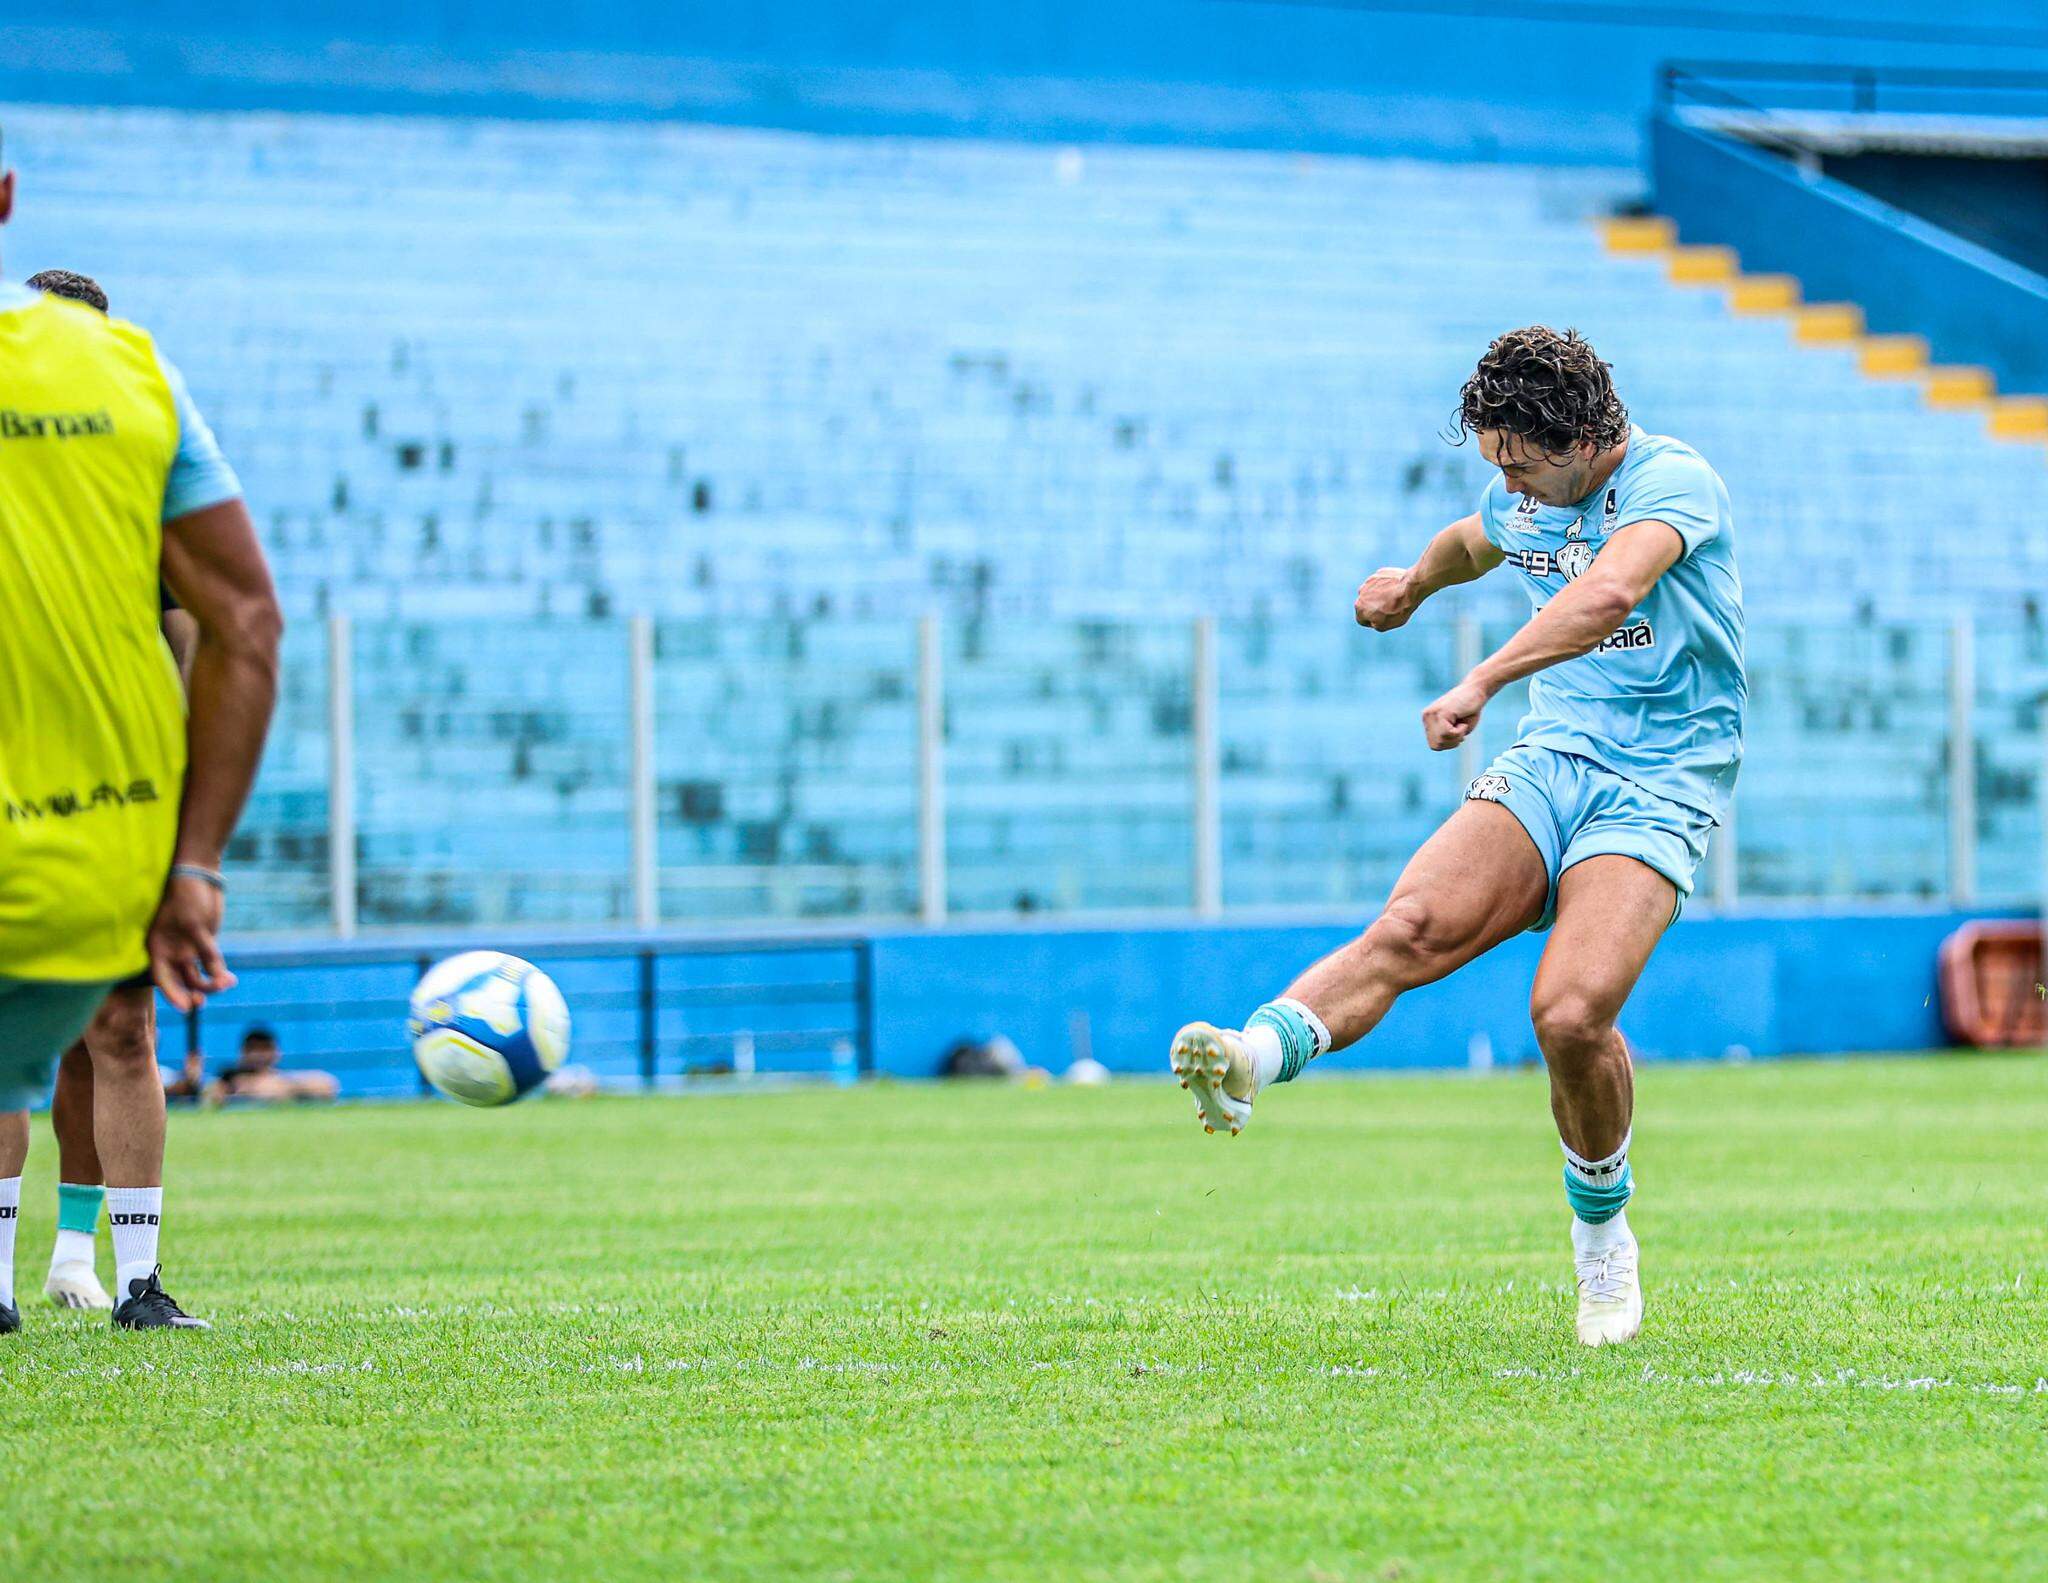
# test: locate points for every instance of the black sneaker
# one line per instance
(149, 1307)
(10, 1320)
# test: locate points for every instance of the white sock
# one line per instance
(1263, 1041)
(136, 1214)
(73, 1247)
(1603, 1238)
(10, 1219)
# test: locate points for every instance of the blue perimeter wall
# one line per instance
(1765, 984)
(1552, 80)
(1771, 985)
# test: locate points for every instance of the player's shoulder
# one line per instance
(123, 332)
(1662, 460)
(1667, 480)
(1661, 475)
(81, 328)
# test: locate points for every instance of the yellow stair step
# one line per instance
(1962, 386)
(2020, 418)
(1703, 266)
(1764, 294)
(1637, 233)
(1893, 356)
(1827, 323)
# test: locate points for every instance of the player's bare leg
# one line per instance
(78, 1158)
(73, 1282)
(13, 1157)
(128, 1091)
(1611, 912)
(128, 1124)
(1473, 884)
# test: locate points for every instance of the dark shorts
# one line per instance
(38, 1022)
(140, 980)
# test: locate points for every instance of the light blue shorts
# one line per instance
(1574, 809)
(38, 1023)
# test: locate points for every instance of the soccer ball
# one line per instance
(487, 1027)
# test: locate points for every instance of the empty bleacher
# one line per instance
(493, 388)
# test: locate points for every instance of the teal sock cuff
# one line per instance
(1298, 1041)
(78, 1206)
(1594, 1205)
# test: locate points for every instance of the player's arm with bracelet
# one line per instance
(1461, 553)
(214, 565)
(1581, 617)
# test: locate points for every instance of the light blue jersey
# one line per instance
(200, 476)
(1661, 702)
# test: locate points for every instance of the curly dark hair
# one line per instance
(1552, 390)
(68, 283)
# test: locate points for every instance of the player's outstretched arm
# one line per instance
(1581, 618)
(216, 568)
(1459, 554)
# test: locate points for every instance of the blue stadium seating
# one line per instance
(493, 387)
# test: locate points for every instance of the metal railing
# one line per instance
(1768, 85)
(1948, 823)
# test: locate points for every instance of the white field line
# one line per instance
(1563, 1285)
(1760, 1379)
(435, 1313)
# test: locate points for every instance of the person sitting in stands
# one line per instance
(189, 1086)
(255, 1075)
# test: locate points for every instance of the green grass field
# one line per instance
(924, 1333)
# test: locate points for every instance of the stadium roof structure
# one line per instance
(1850, 132)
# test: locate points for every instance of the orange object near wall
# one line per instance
(1991, 984)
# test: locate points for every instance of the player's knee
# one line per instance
(1410, 939)
(1573, 1028)
(124, 1036)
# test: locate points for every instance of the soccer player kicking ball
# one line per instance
(1593, 823)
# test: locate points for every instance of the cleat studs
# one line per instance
(1208, 1129)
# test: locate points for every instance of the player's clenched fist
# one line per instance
(1385, 600)
(1451, 719)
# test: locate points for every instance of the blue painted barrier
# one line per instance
(1770, 984)
(650, 1009)
(642, 1009)
(1908, 275)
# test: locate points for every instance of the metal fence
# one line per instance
(647, 1011)
(649, 775)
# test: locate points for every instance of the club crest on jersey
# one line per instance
(1488, 788)
(1566, 561)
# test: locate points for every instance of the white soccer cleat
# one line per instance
(1610, 1293)
(1213, 1065)
(74, 1285)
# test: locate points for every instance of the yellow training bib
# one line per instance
(92, 726)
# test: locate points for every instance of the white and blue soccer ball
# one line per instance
(487, 1028)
